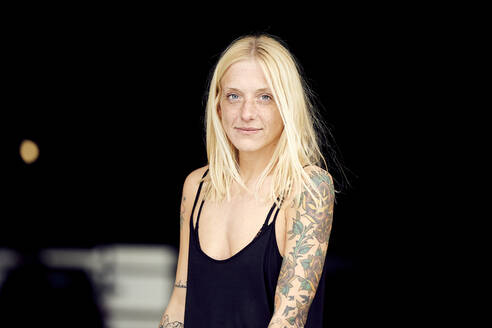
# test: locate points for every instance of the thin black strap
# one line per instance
(269, 214)
(198, 216)
(196, 198)
(265, 224)
(267, 219)
(281, 201)
(275, 216)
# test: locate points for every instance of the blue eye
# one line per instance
(232, 96)
(266, 97)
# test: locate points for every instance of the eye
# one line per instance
(265, 97)
(232, 96)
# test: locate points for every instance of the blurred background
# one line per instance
(102, 120)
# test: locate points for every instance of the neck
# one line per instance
(251, 165)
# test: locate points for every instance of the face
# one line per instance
(248, 112)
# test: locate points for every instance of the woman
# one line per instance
(255, 222)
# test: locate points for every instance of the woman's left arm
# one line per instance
(308, 227)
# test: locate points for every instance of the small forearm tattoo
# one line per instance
(179, 285)
(181, 214)
(166, 324)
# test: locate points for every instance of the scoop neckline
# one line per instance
(252, 242)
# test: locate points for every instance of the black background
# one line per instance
(114, 97)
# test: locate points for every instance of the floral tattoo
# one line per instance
(307, 243)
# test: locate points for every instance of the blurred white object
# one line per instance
(140, 281)
(133, 282)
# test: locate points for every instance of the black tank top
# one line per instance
(238, 292)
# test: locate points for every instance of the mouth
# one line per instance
(247, 130)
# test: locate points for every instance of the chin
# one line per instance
(247, 149)
(247, 146)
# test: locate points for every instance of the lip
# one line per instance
(248, 130)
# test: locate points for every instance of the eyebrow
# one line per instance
(257, 91)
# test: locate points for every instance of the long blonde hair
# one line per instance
(298, 145)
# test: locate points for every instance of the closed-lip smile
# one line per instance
(246, 131)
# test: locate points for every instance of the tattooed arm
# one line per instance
(166, 324)
(173, 316)
(308, 227)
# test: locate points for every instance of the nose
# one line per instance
(248, 110)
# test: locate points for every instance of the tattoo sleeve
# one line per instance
(309, 225)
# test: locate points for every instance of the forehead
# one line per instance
(244, 74)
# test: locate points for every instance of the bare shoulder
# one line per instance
(192, 181)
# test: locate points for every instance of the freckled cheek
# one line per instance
(227, 118)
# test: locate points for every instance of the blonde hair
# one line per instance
(298, 145)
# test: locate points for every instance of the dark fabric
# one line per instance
(238, 292)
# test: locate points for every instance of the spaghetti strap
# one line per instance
(269, 214)
(281, 201)
(196, 198)
(275, 216)
(198, 217)
(265, 224)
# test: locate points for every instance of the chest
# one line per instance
(227, 228)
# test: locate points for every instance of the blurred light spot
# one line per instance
(29, 151)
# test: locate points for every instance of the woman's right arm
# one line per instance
(173, 316)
